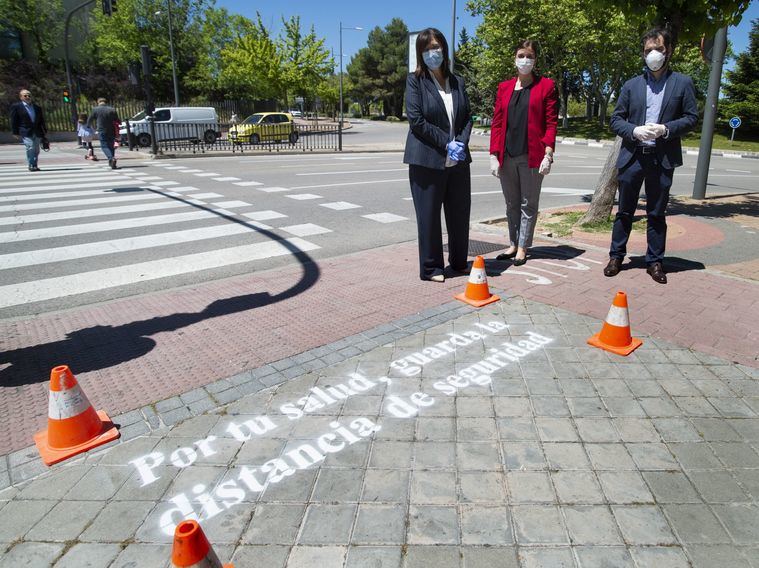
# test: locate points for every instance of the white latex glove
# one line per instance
(644, 133)
(545, 166)
(658, 129)
(495, 167)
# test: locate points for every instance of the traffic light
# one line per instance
(66, 97)
(109, 7)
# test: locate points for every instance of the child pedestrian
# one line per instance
(86, 134)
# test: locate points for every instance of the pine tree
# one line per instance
(742, 89)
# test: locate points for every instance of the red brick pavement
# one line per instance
(136, 351)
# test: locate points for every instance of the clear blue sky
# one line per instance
(325, 16)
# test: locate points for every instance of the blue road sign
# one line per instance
(735, 122)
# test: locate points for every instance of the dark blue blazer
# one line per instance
(679, 113)
(21, 122)
(429, 127)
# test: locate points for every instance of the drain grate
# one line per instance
(481, 247)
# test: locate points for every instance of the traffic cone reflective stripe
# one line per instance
(477, 293)
(615, 334)
(73, 425)
(191, 548)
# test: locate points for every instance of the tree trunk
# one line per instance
(606, 189)
(565, 106)
(602, 111)
(588, 107)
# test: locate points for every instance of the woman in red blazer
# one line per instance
(522, 139)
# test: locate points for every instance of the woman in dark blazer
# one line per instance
(522, 140)
(440, 122)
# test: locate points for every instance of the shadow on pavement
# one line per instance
(672, 264)
(716, 207)
(103, 346)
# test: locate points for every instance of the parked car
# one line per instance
(296, 113)
(174, 123)
(265, 126)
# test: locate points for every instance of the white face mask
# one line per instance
(524, 64)
(655, 60)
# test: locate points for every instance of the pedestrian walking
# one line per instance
(522, 142)
(104, 117)
(28, 125)
(653, 111)
(86, 134)
(437, 152)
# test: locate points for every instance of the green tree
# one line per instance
(378, 71)
(41, 21)
(305, 60)
(742, 87)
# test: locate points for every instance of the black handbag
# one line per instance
(45, 144)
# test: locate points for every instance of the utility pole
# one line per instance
(173, 59)
(67, 58)
(453, 35)
(710, 113)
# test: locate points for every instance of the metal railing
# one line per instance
(199, 138)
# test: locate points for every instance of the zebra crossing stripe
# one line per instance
(72, 202)
(102, 226)
(101, 184)
(87, 250)
(63, 286)
(62, 194)
(23, 181)
(45, 217)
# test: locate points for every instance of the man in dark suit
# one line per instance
(28, 125)
(653, 111)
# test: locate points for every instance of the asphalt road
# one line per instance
(77, 233)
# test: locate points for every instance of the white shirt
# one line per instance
(445, 93)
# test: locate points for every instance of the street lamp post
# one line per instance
(340, 125)
(171, 51)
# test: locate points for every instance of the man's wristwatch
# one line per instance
(666, 132)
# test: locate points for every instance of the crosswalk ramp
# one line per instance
(80, 229)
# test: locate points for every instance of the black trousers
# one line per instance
(450, 189)
(643, 168)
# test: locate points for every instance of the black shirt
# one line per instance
(516, 127)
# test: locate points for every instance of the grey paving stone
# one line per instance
(643, 524)
(576, 487)
(100, 483)
(555, 429)
(89, 555)
(555, 406)
(586, 406)
(227, 526)
(694, 455)
(653, 557)
(274, 523)
(431, 557)
(577, 388)
(398, 429)
(482, 487)
(391, 454)
(748, 478)
(296, 488)
(433, 487)
(708, 556)
(695, 406)
(591, 525)
(373, 556)
(596, 430)
(338, 485)
(609, 457)
(475, 429)
(606, 557)
(523, 456)
(485, 525)
(430, 524)
(623, 487)
(676, 430)
(671, 487)
(385, 485)
(566, 456)
(737, 455)
(740, 521)
(327, 524)
(169, 404)
(65, 521)
(434, 455)
(652, 456)
(477, 456)
(717, 487)
(549, 557)
(118, 521)
(517, 429)
(18, 516)
(538, 524)
(695, 523)
(32, 555)
(636, 430)
(380, 524)
(530, 487)
(716, 430)
(474, 406)
(269, 556)
(659, 406)
(55, 484)
(488, 557)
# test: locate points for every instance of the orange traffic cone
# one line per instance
(192, 549)
(615, 333)
(477, 292)
(73, 426)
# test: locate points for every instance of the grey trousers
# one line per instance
(521, 189)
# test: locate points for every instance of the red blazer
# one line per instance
(542, 118)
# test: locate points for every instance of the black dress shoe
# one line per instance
(614, 266)
(506, 255)
(519, 261)
(656, 271)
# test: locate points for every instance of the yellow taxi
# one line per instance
(265, 127)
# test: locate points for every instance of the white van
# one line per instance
(174, 123)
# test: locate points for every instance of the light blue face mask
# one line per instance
(433, 58)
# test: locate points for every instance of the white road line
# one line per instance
(60, 287)
(149, 178)
(264, 215)
(191, 171)
(305, 230)
(208, 195)
(45, 217)
(231, 204)
(226, 179)
(339, 205)
(385, 217)
(247, 183)
(351, 172)
(102, 226)
(304, 196)
(102, 184)
(360, 183)
(176, 167)
(207, 174)
(87, 250)
(63, 194)
(273, 189)
(165, 183)
(739, 171)
(94, 201)
(21, 181)
(223, 212)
